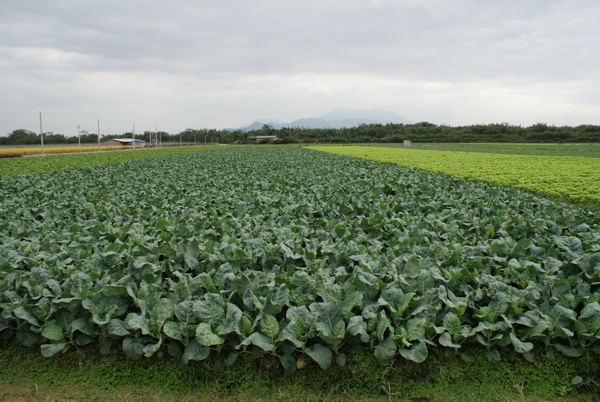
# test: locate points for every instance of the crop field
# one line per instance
(21, 166)
(574, 178)
(28, 151)
(295, 253)
(586, 150)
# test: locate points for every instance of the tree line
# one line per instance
(384, 133)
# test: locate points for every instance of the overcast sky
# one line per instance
(224, 63)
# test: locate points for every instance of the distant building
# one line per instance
(123, 142)
(407, 143)
(260, 138)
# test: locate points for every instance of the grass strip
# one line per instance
(26, 374)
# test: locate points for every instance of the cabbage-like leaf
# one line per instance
(206, 337)
(53, 332)
(385, 351)
(50, 349)
(320, 354)
(417, 353)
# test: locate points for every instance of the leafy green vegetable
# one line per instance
(288, 251)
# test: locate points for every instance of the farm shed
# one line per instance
(260, 138)
(123, 142)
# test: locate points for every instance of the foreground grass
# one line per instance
(13, 167)
(26, 374)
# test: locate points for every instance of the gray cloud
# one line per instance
(219, 64)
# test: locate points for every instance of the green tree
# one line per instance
(22, 137)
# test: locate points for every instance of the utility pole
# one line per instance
(79, 138)
(98, 135)
(133, 137)
(41, 134)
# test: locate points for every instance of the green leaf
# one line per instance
(358, 327)
(569, 243)
(50, 349)
(231, 359)
(64, 318)
(206, 337)
(133, 348)
(530, 318)
(385, 351)
(289, 363)
(258, 339)
(162, 311)
(452, 324)
(152, 348)
(194, 351)
(328, 315)
(208, 283)
(117, 327)
(446, 340)
(209, 312)
(244, 326)
(499, 247)
(172, 330)
(561, 317)
(493, 355)
(539, 328)
(103, 307)
(86, 326)
(53, 332)
(321, 354)
(26, 337)
(590, 310)
(415, 328)
(520, 347)
(403, 303)
(383, 324)
(277, 300)
(418, 353)
(24, 314)
(269, 326)
(412, 266)
(232, 318)
(569, 351)
(134, 321)
(185, 313)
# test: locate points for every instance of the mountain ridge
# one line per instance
(337, 118)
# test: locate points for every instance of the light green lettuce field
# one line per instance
(576, 178)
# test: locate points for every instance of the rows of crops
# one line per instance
(575, 178)
(293, 252)
(14, 167)
(585, 150)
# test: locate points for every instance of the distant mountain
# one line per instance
(338, 118)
